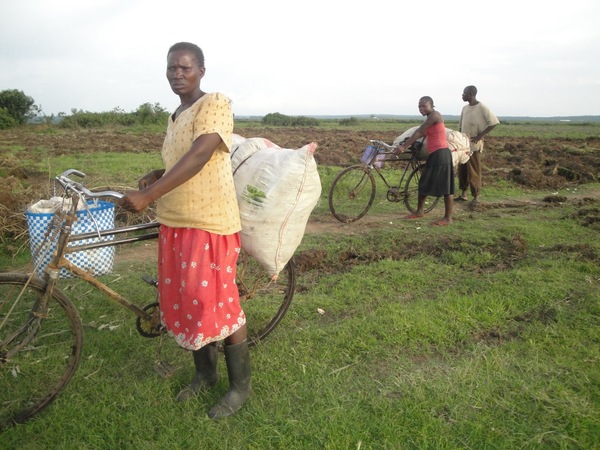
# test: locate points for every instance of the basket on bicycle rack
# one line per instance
(370, 152)
(99, 261)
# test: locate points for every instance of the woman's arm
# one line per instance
(432, 118)
(189, 165)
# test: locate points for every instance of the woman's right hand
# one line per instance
(134, 201)
(150, 178)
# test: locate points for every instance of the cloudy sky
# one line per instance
(310, 57)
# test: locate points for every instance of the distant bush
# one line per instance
(144, 115)
(349, 121)
(6, 120)
(151, 114)
(281, 120)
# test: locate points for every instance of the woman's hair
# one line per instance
(189, 47)
(427, 98)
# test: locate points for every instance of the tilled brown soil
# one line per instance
(533, 162)
(537, 164)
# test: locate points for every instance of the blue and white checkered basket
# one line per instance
(98, 261)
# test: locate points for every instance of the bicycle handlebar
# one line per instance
(392, 148)
(68, 184)
(383, 144)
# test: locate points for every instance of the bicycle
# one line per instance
(41, 332)
(353, 190)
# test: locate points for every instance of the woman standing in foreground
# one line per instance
(437, 178)
(199, 239)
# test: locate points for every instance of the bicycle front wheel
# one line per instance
(352, 194)
(411, 193)
(264, 301)
(39, 353)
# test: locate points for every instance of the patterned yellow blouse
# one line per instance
(207, 201)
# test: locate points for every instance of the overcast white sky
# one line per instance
(308, 57)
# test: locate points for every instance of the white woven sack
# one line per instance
(277, 189)
(458, 143)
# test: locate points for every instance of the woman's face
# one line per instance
(183, 72)
(425, 107)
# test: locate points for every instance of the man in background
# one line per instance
(476, 121)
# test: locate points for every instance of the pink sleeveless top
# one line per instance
(436, 137)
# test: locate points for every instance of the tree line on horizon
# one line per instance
(17, 108)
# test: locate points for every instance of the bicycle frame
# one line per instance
(389, 155)
(353, 190)
(411, 164)
(76, 191)
(87, 277)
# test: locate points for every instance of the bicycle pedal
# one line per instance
(164, 369)
(151, 281)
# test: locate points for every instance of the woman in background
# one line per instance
(437, 178)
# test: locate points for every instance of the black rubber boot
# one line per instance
(237, 358)
(205, 362)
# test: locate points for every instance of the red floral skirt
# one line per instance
(198, 296)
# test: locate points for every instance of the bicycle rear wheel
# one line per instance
(352, 194)
(265, 302)
(411, 192)
(38, 353)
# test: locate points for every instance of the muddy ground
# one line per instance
(532, 162)
(537, 164)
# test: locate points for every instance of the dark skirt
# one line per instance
(437, 178)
